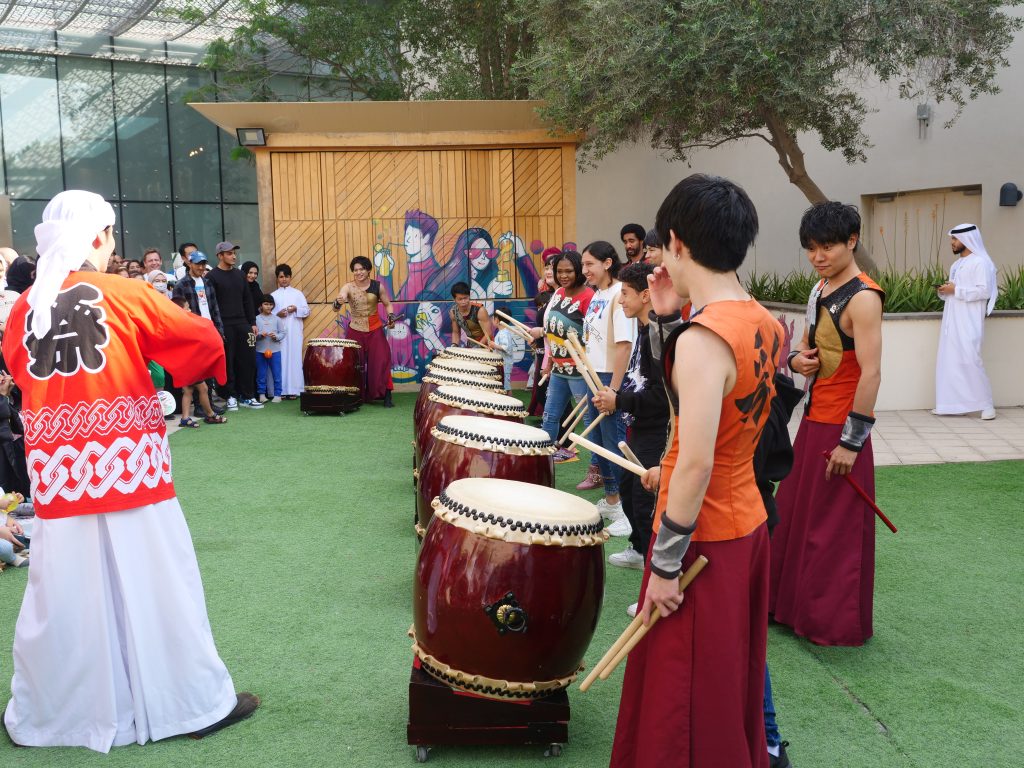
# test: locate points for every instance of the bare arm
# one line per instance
(704, 371)
(485, 323)
(620, 361)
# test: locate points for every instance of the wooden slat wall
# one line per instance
(332, 206)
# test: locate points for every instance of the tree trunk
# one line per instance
(791, 157)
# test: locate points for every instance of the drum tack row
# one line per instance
(496, 536)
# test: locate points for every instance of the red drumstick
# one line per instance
(861, 492)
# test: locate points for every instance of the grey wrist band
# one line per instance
(670, 547)
(856, 431)
(789, 359)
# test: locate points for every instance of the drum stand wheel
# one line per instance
(553, 750)
(422, 753)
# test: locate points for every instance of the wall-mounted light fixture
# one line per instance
(251, 137)
(924, 118)
(1009, 195)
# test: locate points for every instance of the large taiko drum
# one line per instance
(476, 355)
(477, 446)
(471, 367)
(333, 372)
(448, 400)
(435, 378)
(508, 588)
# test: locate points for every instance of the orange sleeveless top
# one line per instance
(834, 387)
(732, 505)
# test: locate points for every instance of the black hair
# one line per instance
(651, 239)
(602, 250)
(361, 260)
(635, 275)
(460, 289)
(574, 258)
(713, 217)
(541, 299)
(249, 265)
(183, 246)
(268, 299)
(503, 308)
(829, 223)
(283, 269)
(634, 229)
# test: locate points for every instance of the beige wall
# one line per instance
(985, 146)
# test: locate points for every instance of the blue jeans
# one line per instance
(608, 434)
(262, 363)
(559, 389)
(771, 728)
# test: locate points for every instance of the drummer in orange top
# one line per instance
(363, 295)
(693, 689)
(823, 550)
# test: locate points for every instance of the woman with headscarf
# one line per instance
(113, 627)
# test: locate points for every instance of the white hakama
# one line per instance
(292, 381)
(113, 643)
(961, 385)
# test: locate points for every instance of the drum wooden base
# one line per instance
(333, 402)
(439, 715)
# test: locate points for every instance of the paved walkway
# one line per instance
(920, 437)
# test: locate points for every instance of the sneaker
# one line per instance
(252, 402)
(620, 528)
(631, 611)
(263, 398)
(627, 558)
(613, 512)
(592, 480)
(232, 404)
(562, 456)
(988, 414)
(276, 400)
(782, 760)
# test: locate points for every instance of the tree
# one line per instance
(374, 49)
(689, 74)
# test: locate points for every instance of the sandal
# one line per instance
(215, 419)
(189, 422)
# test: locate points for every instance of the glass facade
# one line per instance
(122, 129)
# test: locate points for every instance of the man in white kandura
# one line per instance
(290, 305)
(961, 385)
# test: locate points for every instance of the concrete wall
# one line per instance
(983, 147)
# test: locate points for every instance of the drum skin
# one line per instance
(427, 387)
(334, 366)
(433, 412)
(444, 462)
(460, 572)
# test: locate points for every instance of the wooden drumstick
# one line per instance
(572, 427)
(638, 635)
(591, 425)
(614, 458)
(478, 343)
(581, 348)
(628, 453)
(579, 367)
(512, 320)
(575, 411)
(543, 379)
(634, 627)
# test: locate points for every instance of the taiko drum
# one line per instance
(508, 588)
(477, 355)
(435, 378)
(333, 373)
(477, 446)
(449, 400)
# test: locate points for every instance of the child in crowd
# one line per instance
(12, 535)
(269, 332)
(189, 391)
(504, 342)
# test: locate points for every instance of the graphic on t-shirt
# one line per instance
(753, 405)
(78, 333)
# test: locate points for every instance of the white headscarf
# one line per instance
(970, 236)
(71, 221)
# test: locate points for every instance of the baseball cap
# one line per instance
(226, 246)
(197, 257)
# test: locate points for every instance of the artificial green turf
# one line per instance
(303, 530)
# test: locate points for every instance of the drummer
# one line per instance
(363, 295)
(469, 318)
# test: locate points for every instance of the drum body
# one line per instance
(333, 371)
(506, 601)
(476, 446)
(447, 400)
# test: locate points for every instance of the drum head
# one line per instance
(461, 366)
(520, 512)
(455, 378)
(332, 343)
(475, 353)
(494, 435)
(479, 400)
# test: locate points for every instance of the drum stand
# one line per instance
(439, 715)
(329, 402)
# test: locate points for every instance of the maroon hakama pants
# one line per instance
(823, 549)
(693, 693)
(377, 358)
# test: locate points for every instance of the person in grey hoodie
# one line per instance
(269, 332)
